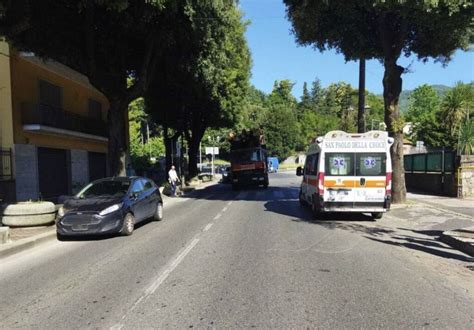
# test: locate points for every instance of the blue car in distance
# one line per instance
(273, 164)
(110, 206)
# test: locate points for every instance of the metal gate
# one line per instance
(53, 173)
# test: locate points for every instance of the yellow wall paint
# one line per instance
(6, 126)
(76, 93)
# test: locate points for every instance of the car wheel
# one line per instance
(128, 225)
(159, 212)
(377, 215)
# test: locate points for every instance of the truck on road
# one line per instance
(248, 159)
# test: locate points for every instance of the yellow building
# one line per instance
(53, 135)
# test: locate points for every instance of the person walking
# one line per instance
(173, 179)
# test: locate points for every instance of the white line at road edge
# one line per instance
(159, 280)
(209, 225)
(224, 209)
(217, 216)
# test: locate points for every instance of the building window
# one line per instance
(95, 109)
(50, 94)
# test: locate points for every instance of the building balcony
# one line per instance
(48, 119)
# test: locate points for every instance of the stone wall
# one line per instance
(26, 172)
(466, 174)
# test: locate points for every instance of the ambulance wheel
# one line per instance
(377, 215)
(316, 210)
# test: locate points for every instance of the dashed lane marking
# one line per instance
(158, 281)
(217, 216)
(209, 225)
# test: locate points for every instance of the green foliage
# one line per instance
(142, 148)
(424, 113)
(466, 138)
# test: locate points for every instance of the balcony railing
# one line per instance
(6, 164)
(45, 115)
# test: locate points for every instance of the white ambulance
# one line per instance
(346, 172)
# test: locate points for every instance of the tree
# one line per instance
(457, 105)
(204, 76)
(143, 144)
(384, 30)
(108, 41)
(280, 124)
(424, 113)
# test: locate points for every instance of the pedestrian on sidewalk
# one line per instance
(173, 180)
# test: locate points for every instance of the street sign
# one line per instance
(212, 150)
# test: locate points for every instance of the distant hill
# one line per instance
(403, 101)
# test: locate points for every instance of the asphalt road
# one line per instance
(225, 259)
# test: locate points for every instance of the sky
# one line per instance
(276, 56)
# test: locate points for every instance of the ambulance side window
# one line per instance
(315, 164)
(308, 167)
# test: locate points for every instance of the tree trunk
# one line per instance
(117, 146)
(168, 144)
(361, 108)
(392, 83)
(194, 141)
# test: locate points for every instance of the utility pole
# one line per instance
(361, 107)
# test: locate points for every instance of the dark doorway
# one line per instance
(97, 166)
(53, 173)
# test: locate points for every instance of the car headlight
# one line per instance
(110, 209)
(61, 212)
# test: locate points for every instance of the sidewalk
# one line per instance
(23, 238)
(455, 218)
(445, 219)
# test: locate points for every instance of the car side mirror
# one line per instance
(299, 171)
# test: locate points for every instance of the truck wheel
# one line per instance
(377, 215)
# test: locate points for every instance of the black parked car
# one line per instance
(109, 206)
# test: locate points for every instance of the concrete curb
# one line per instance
(26, 243)
(458, 240)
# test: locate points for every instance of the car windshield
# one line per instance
(104, 189)
(248, 155)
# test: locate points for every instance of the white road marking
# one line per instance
(224, 209)
(229, 204)
(217, 216)
(209, 225)
(168, 269)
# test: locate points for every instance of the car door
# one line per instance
(138, 207)
(150, 197)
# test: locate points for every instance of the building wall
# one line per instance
(27, 71)
(466, 176)
(6, 125)
(79, 169)
(27, 184)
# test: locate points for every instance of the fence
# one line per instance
(5, 164)
(433, 172)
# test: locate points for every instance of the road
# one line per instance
(245, 259)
